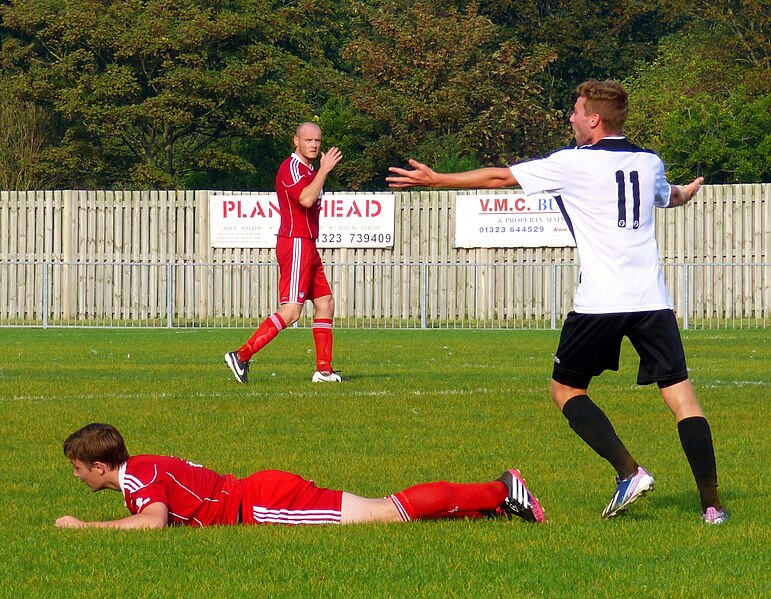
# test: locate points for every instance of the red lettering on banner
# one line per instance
(332, 208)
(259, 210)
(502, 205)
(347, 208)
(227, 207)
(354, 210)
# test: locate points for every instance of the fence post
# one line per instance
(45, 294)
(687, 286)
(423, 292)
(553, 297)
(169, 295)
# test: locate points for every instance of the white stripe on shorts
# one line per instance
(400, 508)
(294, 277)
(264, 515)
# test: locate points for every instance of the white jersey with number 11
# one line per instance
(607, 192)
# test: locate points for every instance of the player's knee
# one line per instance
(561, 393)
(290, 313)
(290, 320)
(325, 306)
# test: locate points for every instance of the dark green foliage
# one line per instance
(715, 122)
(149, 92)
(185, 93)
(437, 81)
(591, 39)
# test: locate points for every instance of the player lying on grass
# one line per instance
(162, 491)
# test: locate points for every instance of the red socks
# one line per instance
(322, 337)
(432, 501)
(274, 324)
(269, 328)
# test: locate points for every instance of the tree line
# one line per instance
(206, 93)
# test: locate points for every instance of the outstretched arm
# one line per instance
(155, 515)
(423, 176)
(682, 195)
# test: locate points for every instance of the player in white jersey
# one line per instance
(607, 189)
(611, 217)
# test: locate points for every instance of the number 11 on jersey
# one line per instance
(621, 182)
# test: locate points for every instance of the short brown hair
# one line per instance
(97, 442)
(608, 99)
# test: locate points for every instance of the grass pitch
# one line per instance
(416, 407)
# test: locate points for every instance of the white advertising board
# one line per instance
(361, 220)
(509, 220)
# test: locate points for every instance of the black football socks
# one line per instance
(696, 438)
(592, 425)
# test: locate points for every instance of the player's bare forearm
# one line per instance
(130, 522)
(155, 515)
(329, 161)
(682, 195)
(423, 176)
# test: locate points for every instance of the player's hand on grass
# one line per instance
(69, 522)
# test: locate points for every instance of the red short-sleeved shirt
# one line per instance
(194, 495)
(197, 496)
(296, 220)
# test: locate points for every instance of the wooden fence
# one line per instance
(143, 258)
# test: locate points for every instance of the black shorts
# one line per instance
(591, 343)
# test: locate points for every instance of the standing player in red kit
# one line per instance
(299, 188)
(161, 491)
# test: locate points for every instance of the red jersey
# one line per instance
(296, 220)
(193, 494)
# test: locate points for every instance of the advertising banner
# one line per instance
(509, 220)
(361, 220)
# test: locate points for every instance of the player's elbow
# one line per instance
(500, 177)
(155, 515)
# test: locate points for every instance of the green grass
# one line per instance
(416, 406)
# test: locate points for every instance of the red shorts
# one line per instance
(277, 497)
(301, 271)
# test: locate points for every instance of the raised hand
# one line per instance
(690, 190)
(329, 159)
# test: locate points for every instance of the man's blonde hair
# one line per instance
(608, 99)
